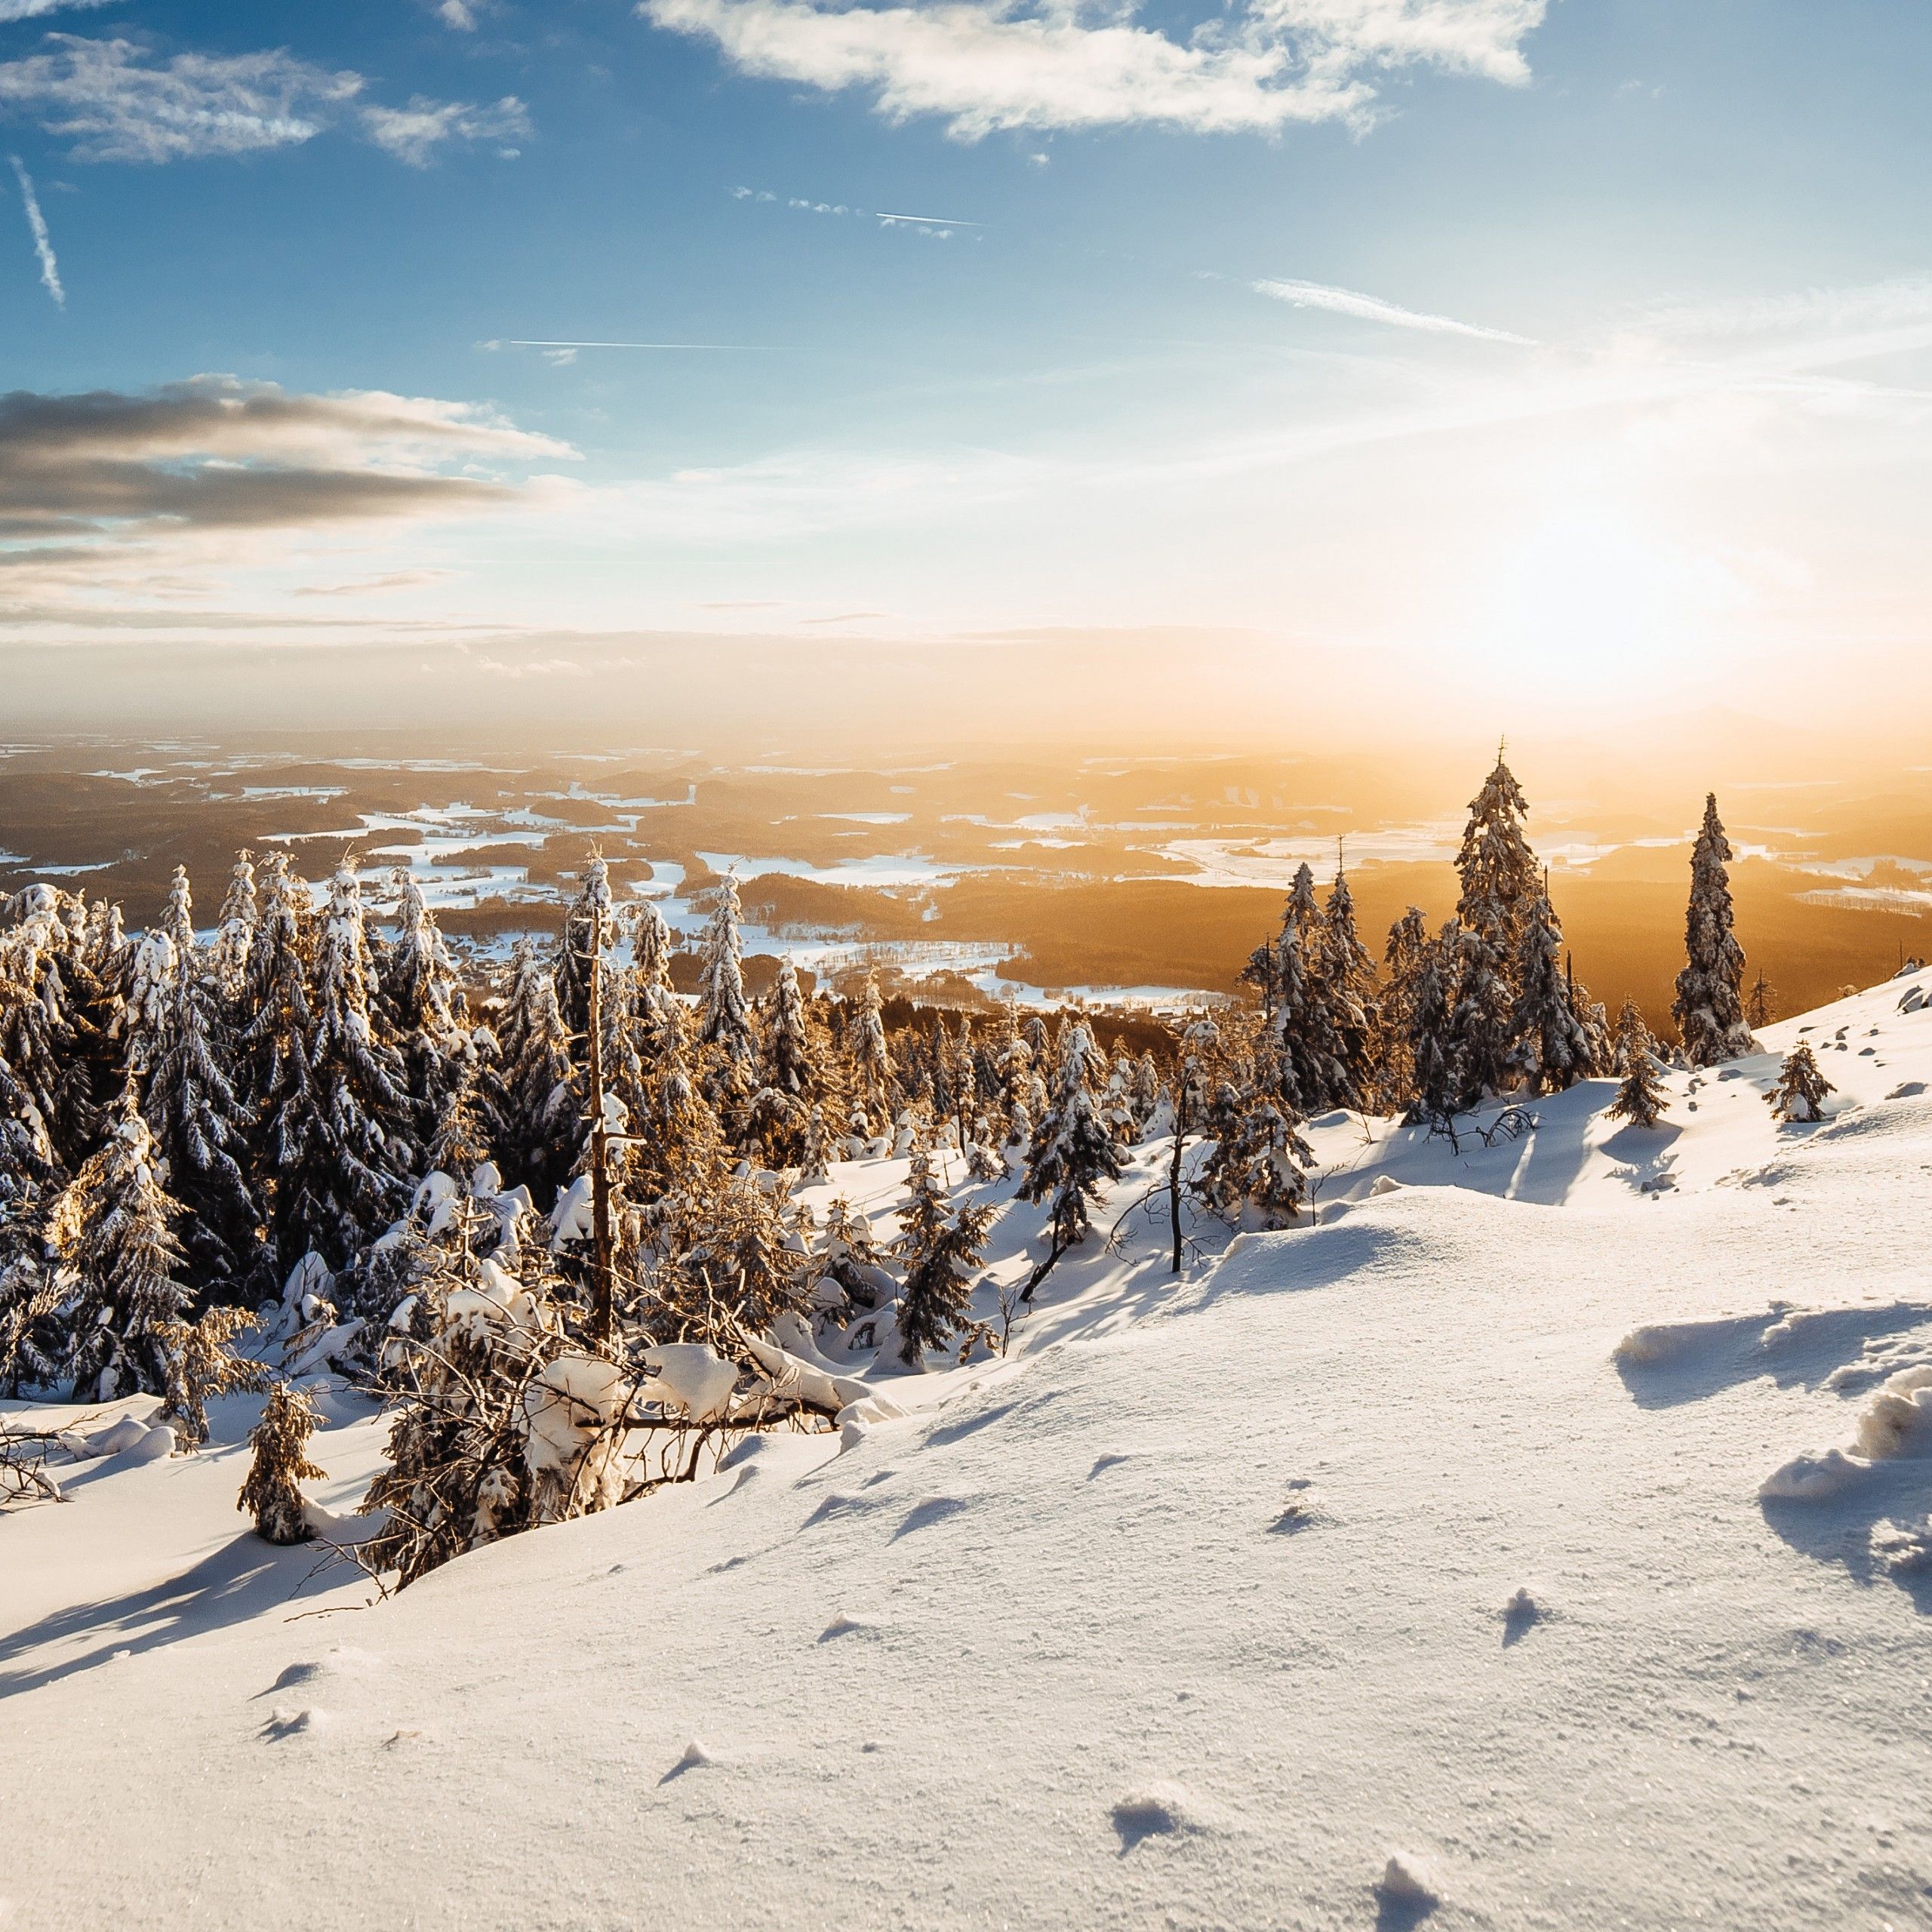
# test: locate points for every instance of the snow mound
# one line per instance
(1895, 1423)
(696, 1757)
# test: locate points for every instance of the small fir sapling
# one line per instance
(1640, 1098)
(203, 1366)
(280, 1441)
(1800, 1088)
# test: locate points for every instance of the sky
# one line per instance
(1531, 363)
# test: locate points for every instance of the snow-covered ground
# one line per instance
(1464, 1558)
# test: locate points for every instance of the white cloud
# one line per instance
(116, 104)
(985, 65)
(413, 134)
(1373, 308)
(115, 101)
(1903, 300)
(456, 15)
(43, 243)
(31, 9)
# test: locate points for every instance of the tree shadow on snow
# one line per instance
(1688, 1361)
(229, 1586)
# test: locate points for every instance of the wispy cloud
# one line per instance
(43, 243)
(982, 66)
(1902, 300)
(458, 16)
(414, 133)
(116, 101)
(1373, 308)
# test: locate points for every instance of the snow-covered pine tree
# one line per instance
(272, 1491)
(1305, 1054)
(536, 1110)
(26, 1148)
(1402, 957)
(815, 1150)
(32, 1342)
(338, 1121)
(1072, 1154)
(1014, 1061)
(1801, 1087)
(724, 1029)
(1346, 976)
(1435, 1074)
(874, 1088)
(1640, 1098)
(593, 903)
(940, 1246)
(1500, 881)
(112, 1236)
(203, 1366)
(1553, 1048)
(786, 1062)
(235, 928)
(422, 1005)
(1259, 1159)
(192, 1102)
(846, 1267)
(1708, 1008)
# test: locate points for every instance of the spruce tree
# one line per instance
(1640, 1098)
(1708, 1008)
(280, 1441)
(1347, 976)
(592, 905)
(786, 1063)
(32, 1340)
(873, 1086)
(1435, 1073)
(536, 1108)
(1072, 1154)
(1801, 1087)
(1553, 1049)
(724, 1028)
(1500, 883)
(203, 1366)
(338, 1116)
(111, 1235)
(423, 1005)
(939, 1248)
(235, 928)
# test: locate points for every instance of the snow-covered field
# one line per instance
(1487, 1527)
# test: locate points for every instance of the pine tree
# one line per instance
(1501, 881)
(112, 1236)
(340, 1118)
(235, 928)
(32, 1343)
(939, 1248)
(1072, 1154)
(1259, 1159)
(202, 1367)
(1801, 1087)
(786, 1060)
(1709, 1010)
(422, 1004)
(536, 1108)
(280, 1441)
(593, 905)
(1346, 975)
(1553, 1048)
(724, 1027)
(1435, 1074)
(873, 1086)
(1640, 1098)
(1762, 1007)
(1402, 959)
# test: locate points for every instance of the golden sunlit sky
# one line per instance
(1411, 361)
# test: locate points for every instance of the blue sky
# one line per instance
(1612, 321)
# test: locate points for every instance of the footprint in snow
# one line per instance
(1521, 1615)
(842, 1626)
(293, 1723)
(1162, 1809)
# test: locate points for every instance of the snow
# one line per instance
(1416, 1566)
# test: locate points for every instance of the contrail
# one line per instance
(43, 244)
(1373, 308)
(930, 220)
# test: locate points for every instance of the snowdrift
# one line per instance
(1421, 1564)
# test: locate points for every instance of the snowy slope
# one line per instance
(1196, 1612)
